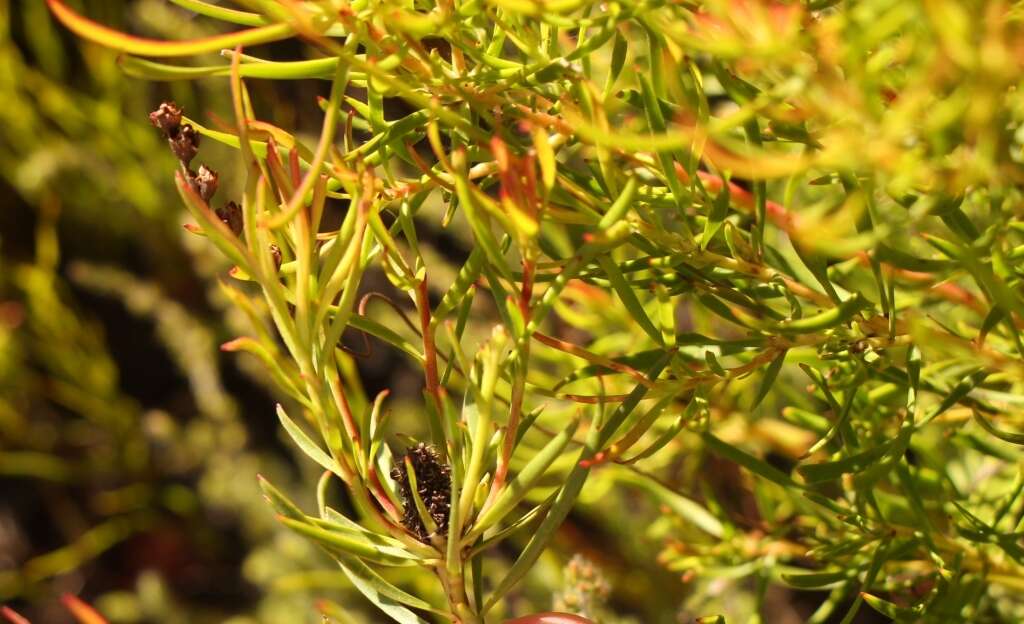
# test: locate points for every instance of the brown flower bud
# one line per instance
(433, 484)
(167, 118)
(205, 182)
(275, 253)
(185, 143)
(231, 215)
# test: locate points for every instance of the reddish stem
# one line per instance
(519, 388)
(81, 611)
(429, 348)
(377, 488)
(13, 616)
(346, 412)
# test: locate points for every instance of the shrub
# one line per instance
(758, 260)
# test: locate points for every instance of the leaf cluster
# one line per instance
(778, 237)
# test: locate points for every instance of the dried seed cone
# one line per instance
(206, 181)
(434, 485)
(167, 118)
(184, 143)
(231, 215)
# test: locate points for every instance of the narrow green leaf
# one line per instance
(349, 543)
(1012, 438)
(386, 334)
(620, 206)
(770, 373)
(643, 424)
(903, 260)
(877, 560)
(827, 471)
(893, 611)
(818, 269)
(687, 509)
(281, 503)
(619, 50)
(310, 448)
(757, 466)
(270, 70)
(567, 495)
(521, 484)
(719, 211)
(232, 16)
(628, 297)
(818, 580)
(822, 321)
(478, 220)
(383, 594)
(959, 392)
(713, 364)
(662, 440)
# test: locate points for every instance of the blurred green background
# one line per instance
(128, 442)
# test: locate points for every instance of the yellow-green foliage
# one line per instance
(757, 261)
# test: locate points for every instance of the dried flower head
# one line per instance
(167, 117)
(231, 215)
(205, 182)
(184, 143)
(433, 484)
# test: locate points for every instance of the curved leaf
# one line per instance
(123, 42)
